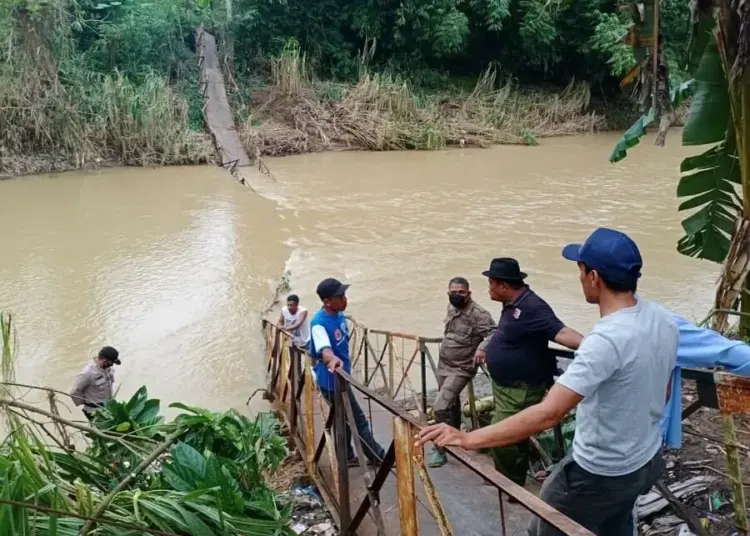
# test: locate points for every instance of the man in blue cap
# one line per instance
(330, 347)
(620, 381)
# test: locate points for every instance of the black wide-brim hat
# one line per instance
(505, 269)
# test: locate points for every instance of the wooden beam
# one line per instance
(432, 496)
(734, 398)
(309, 410)
(403, 438)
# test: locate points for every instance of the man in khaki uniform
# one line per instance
(467, 325)
(93, 387)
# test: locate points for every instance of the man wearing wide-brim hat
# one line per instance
(517, 355)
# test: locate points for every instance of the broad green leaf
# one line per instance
(633, 135)
(709, 109)
(196, 527)
(701, 36)
(708, 181)
(149, 411)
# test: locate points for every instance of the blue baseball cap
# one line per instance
(611, 253)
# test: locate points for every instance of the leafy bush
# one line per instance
(190, 489)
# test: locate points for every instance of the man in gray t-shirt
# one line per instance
(620, 381)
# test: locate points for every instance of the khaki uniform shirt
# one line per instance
(93, 387)
(465, 330)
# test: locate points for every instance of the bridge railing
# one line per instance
(319, 432)
(403, 367)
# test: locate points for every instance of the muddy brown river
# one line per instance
(173, 266)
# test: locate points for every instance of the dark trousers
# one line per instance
(373, 451)
(447, 404)
(602, 504)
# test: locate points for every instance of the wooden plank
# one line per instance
(309, 410)
(432, 497)
(374, 505)
(283, 371)
(341, 448)
(734, 399)
(217, 112)
(403, 438)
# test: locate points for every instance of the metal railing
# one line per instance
(293, 391)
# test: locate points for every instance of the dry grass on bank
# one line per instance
(48, 125)
(381, 113)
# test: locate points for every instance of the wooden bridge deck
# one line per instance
(216, 111)
(471, 506)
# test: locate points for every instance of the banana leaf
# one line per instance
(633, 135)
(709, 110)
(708, 181)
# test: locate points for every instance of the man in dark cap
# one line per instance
(330, 348)
(93, 387)
(517, 355)
(619, 382)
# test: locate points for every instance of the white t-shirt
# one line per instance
(302, 333)
(622, 369)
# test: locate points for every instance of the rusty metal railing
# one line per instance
(293, 391)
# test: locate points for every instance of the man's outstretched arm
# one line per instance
(550, 411)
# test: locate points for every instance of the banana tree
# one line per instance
(718, 59)
(718, 56)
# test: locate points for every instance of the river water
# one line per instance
(173, 266)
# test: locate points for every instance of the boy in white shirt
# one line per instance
(294, 319)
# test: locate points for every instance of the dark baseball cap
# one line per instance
(611, 253)
(110, 354)
(330, 288)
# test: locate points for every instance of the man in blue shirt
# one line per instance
(330, 349)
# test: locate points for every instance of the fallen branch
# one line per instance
(681, 510)
(714, 439)
(36, 387)
(128, 479)
(40, 425)
(714, 470)
(88, 429)
(63, 513)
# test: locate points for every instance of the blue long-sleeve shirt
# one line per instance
(699, 348)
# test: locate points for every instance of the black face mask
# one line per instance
(458, 301)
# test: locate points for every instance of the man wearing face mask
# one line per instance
(467, 324)
(517, 355)
(93, 387)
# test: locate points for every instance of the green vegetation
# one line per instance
(87, 81)
(200, 474)
(717, 181)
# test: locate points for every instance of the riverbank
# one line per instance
(383, 113)
(291, 115)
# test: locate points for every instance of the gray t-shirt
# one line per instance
(622, 369)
